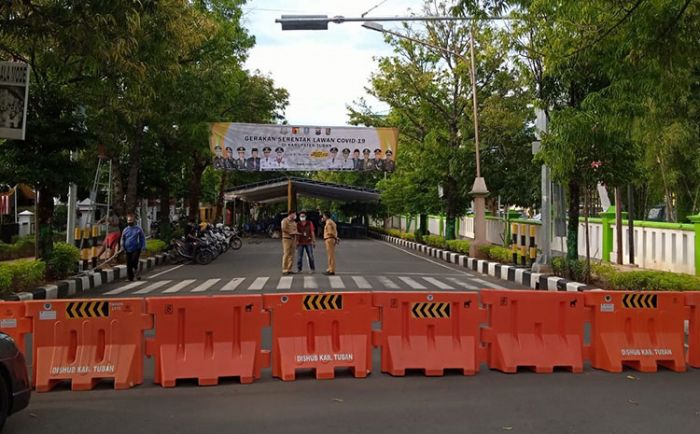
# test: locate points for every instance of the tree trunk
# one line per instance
(195, 187)
(587, 210)
(44, 220)
(164, 229)
(134, 169)
(220, 199)
(118, 204)
(451, 194)
(618, 225)
(423, 224)
(572, 229)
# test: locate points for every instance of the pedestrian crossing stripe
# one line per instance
(323, 302)
(639, 301)
(87, 309)
(430, 310)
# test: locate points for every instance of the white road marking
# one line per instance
(412, 283)
(488, 284)
(439, 284)
(233, 284)
(421, 257)
(258, 284)
(361, 282)
(387, 282)
(310, 282)
(179, 286)
(285, 282)
(336, 282)
(153, 286)
(166, 271)
(206, 285)
(461, 284)
(125, 288)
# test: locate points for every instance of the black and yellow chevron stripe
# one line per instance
(87, 309)
(430, 310)
(323, 302)
(639, 301)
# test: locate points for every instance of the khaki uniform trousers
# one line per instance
(330, 252)
(287, 254)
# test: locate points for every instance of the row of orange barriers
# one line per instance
(208, 338)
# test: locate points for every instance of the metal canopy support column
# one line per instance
(291, 196)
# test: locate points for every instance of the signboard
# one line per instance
(258, 147)
(14, 94)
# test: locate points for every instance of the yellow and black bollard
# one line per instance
(85, 248)
(95, 244)
(533, 246)
(77, 235)
(514, 243)
(523, 243)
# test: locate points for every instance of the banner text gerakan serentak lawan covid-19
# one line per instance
(258, 147)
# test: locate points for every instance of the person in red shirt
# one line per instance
(306, 240)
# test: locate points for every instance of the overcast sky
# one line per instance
(323, 70)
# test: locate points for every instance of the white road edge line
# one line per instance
(425, 259)
(166, 271)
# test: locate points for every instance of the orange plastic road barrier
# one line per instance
(14, 322)
(429, 331)
(321, 332)
(637, 329)
(538, 330)
(85, 341)
(692, 299)
(207, 338)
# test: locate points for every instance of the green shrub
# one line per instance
(154, 246)
(653, 281)
(394, 233)
(435, 241)
(63, 261)
(459, 246)
(605, 272)
(572, 270)
(21, 248)
(21, 275)
(500, 254)
(408, 236)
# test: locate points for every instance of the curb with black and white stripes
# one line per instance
(511, 273)
(83, 282)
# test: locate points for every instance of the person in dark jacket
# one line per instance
(306, 240)
(133, 242)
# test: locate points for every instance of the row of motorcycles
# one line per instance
(202, 246)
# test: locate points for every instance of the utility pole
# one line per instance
(72, 205)
(544, 260)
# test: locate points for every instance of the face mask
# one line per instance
(131, 223)
(302, 218)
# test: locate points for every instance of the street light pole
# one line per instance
(479, 190)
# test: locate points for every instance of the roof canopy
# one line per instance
(276, 190)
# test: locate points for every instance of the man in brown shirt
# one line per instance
(289, 232)
(330, 238)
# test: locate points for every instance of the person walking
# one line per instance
(289, 233)
(330, 238)
(111, 240)
(306, 240)
(133, 241)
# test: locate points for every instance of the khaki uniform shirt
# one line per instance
(330, 230)
(289, 229)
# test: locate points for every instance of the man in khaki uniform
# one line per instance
(330, 237)
(289, 233)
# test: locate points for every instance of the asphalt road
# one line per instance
(489, 402)
(361, 265)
